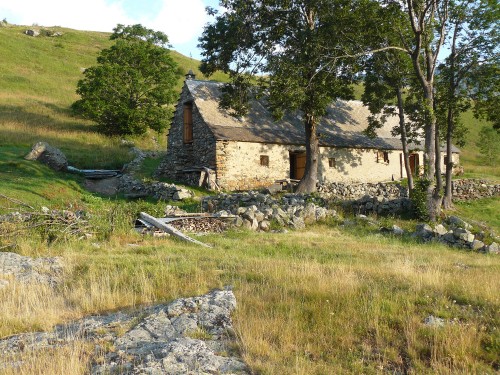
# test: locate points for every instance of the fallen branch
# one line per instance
(169, 229)
(13, 200)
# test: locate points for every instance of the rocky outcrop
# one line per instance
(46, 154)
(187, 336)
(24, 269)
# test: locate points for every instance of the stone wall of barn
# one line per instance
(183, 156)
(239, 164)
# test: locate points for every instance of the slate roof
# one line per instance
(342, 125)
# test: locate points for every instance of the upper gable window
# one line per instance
(188, 123)
(264, 160)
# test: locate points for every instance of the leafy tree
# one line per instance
(489, 145)
(466, 71)
(301, 51)
(129, 89)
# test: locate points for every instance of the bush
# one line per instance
(419, 198)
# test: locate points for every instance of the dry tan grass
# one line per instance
(315, 302)
(71, 359)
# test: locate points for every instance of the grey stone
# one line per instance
(457, 222)
(298, 223)
(440, 230)
(24, 269)
(32, 32)
(477, 245)
(434, 321)
(493, 248)
(424, 231)
(397, 230)
(48, 155)
(182, 194)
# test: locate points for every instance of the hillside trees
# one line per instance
(129, 89)
(296, 47)
(468, 72)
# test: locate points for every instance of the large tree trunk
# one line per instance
(308, 182)
(433, 201)
(448, 194)
(404, 141)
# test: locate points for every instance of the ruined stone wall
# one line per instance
(180, 155)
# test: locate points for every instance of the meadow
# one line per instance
(329, 299)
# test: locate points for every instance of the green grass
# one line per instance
(484, 212)
(470, 157)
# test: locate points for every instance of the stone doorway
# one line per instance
(297, 164)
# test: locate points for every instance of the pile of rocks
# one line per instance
(257, 211)
(379, 205)
(343, 191)
(466, 189)
(457, 233)
(188, 336)
(134, 188)
(24, 269)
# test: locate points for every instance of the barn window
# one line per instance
(445, 159)
(331, 162)
(264, 160)
(188, 123)
(382, 157)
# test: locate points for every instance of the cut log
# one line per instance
(169, 229)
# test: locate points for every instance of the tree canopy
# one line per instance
(129, 89)
(295, 47)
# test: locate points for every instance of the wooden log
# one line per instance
(169, 229)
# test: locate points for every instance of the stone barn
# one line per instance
(206, 145)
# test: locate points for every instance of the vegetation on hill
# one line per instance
(324, 300)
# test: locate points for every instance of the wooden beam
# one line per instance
(169, 229)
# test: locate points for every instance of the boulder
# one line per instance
(32, 32)
(493, 248)
(48, 155)
(182, 194)
(424, 231)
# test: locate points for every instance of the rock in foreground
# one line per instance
(187, 336)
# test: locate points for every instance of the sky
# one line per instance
(182, 21)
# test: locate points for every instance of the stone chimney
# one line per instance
(190, 75)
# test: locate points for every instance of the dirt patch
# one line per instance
(106, 186)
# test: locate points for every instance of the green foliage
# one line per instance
(127, 92)
(489, 145)
(419, 198)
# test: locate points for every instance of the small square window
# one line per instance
(331, 162)
(383, 157)
(264, 160)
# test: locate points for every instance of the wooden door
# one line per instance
(297, 165)
(414, 164)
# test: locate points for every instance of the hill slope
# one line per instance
(37, 86)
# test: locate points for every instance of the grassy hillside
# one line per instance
(37, 86)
